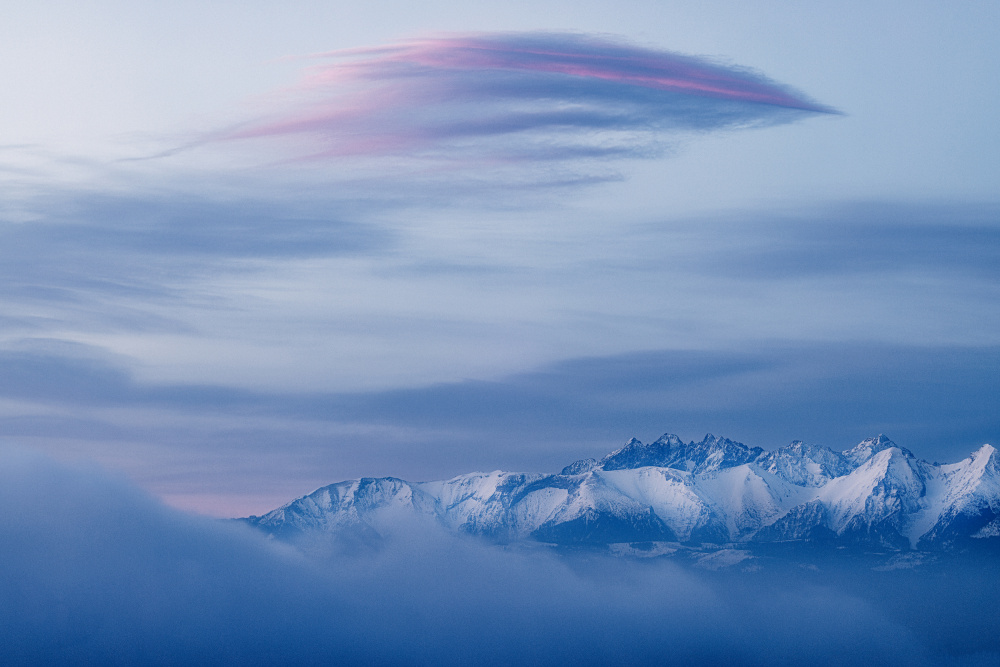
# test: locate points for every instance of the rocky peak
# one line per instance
(669, 451)
(869, 447)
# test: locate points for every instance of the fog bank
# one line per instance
(96, 572)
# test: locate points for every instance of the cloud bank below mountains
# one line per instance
(97, 573)
(516, 97)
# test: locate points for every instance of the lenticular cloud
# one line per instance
(513, 97)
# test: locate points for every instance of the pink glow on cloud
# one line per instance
(423, 93)
(651, 69)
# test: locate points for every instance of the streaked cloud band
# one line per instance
(544, 95)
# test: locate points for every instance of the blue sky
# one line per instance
(247, 250)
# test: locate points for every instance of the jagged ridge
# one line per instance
(719, 491)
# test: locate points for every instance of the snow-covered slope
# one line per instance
(876, 494)
(875, 501)
(966, 502)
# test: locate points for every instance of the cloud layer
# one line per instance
(518, 96)
(228, 451)
(263, 324)
(97, 573)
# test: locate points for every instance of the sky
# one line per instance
(247, 250)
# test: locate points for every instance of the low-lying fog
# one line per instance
(95, 571)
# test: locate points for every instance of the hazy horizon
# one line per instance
(246, 253)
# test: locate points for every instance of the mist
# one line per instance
(97, 572)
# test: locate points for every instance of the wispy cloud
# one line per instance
(522, 96)
(224, 449)
(101, 260)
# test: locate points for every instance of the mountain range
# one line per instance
(877, 495)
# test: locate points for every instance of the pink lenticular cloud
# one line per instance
(534, 96)
(641, 67)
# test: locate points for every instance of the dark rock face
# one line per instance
(595, 527)
(807, 523)
(669, 451)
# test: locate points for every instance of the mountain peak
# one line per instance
(869, 447)
(880, 441)
(669, 439)
(669, 451)
(874, 495)
(986, 450)
(805, 464)
(580, 467)
(985, 458)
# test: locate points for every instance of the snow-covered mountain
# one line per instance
(716, 491)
